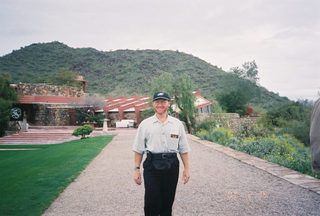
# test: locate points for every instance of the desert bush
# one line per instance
(82, 131)
(300, 130)
(220, 135)
(207, 124)
(258, 148)
(284, 150)
(202, 134)
(296, 161)
(235, 143)
(292, 118)
(247, 129)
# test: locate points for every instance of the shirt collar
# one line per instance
(155, 119)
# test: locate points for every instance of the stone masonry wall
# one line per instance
(49, 90)
(51, 115)
(227, 120)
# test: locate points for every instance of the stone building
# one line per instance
(49, 105)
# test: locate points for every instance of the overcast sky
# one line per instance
(282, 36)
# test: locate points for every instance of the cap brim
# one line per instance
(165, 98)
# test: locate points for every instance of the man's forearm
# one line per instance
(137, 162)
(137, 159)
(185, 160)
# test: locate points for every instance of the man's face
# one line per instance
(160, 106)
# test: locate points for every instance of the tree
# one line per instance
(164, 82)
(180, 89)
(292, 118)
(8, 96)
(233, 102)
(248, 71)
(184, 98)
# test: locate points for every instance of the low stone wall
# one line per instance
(52, 90)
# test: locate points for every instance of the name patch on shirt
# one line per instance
(174, 136)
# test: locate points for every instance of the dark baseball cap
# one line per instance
(161, 95)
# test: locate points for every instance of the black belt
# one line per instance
(161, 155)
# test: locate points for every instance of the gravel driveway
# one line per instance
(219, 185)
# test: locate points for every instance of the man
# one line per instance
(315, 137)
(161, 137)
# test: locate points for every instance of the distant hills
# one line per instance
(128, 72)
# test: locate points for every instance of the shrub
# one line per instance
(86, 114)
(220, 135)
(284, 149)
(247, 129)
(202, 134)
(207, 124)
(235, 143)
(298, 129)
(8, 96)
(275, 145)
(293, 118)
(295, 161)
(258, 147)
(82, 131)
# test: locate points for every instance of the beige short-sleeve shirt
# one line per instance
(157, 137)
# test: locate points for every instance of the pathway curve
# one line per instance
(219, 185)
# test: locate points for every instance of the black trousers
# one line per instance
(160, 187)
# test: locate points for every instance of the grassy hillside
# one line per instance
(127, 72)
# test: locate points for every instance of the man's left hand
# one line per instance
(186, 176)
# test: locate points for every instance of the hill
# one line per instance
(128, 72)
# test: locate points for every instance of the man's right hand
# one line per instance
(137, 177)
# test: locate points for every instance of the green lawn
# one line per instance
(31, 180)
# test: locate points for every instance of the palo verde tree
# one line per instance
(8, 96)
(164, 82)
(241, 88)
(184, 98)
(180, 89)
(249, 71)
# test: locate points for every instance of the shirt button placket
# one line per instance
(163, 137)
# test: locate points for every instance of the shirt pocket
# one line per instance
(173, 140)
